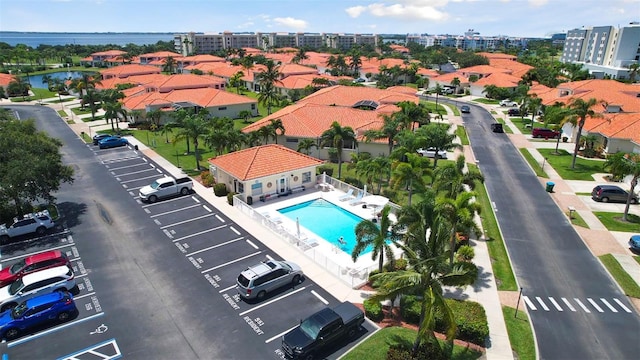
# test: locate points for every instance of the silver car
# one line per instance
(259, 279)
(431, 153)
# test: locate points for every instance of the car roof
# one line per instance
(610, 187)
(47, 255)
(260, 269)
(46, 298)
(45, 274)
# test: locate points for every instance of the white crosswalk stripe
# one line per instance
(601, 305)
(582, 305)
(529, 303)
(595, 305)
(604, 301)
(568, 304)
(622, 305)
(553, 301)
(542, 304)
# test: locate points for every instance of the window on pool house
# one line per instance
(306, 177)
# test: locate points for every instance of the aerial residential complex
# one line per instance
(606, 51)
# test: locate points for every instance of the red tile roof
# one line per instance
(205, 97)
(261, 161)
(295, 69)
(124, 71)
(349, 95)
(616, 125)
(5, 79)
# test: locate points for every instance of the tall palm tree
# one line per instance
(578, 112)
(337, 137)
(391, 127)
(305, 146)
(435, 136)
(236, 81)
(373, 171)
(451, 177)
(300, 56)
(267, 80)
(460, 212)
(193, 127)
(94, 100)
(455, 83)
(621, 165)
(370, 234)
(411, 113)
(169, 65)
(633, 72)
(219, 134)
(409, 175)
(277, 128)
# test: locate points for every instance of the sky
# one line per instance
(526, 18)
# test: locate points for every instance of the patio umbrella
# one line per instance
(298, 227)
(375, 200)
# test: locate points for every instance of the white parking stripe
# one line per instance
(173, 211)
(272, 301)
(595, 305)
(226, 289)
(138, 179)
(622, 305)
(214, 246)
(186, 221)
(126, 167)
(529, 303)
(83, 296)
(195, 199)
(131, 173)
(252, 244)
(36, 252)
(604, 301)
(320, 297)
(207, 208)
(568, 304)
(162, 202)
(231, 262)
(279, 335)
(582, 305)
(553, 301)
(234, 230)
(542, 304)
(199, 233)
(112, 161)
(219, 218)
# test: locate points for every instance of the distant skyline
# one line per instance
(524, 18)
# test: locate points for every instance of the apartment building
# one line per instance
(606, 51)
(471, 40)
(199, 43)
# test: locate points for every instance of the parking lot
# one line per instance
(217, 249)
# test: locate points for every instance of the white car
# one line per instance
(508, 103)
(431, 153)
(59, 278)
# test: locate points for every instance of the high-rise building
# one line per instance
(471, 40)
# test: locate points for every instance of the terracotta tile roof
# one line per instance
(427, 72)
(278, 57)
(295, 69)
(302, 81)
(399, 48)
(261, 161)
(492, 56)
(198, 59)
(482, 70)
(499, 79)
(124, 71)
(448, 78)
(348, 96)
(227, 70)
(187, 81)
(205, 97)
(311, 120)
(112, 53)
(161, 55)
(5, 79)
(611, 92)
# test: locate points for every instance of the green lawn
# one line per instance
(487, 101)
(613, 221)
(507, 128)
(626, 282)
(533, 163)
(462, 134)
(520, 334)
(577, 220)
(522, 123)
(637, 259)
(561, 163)
(376, 346)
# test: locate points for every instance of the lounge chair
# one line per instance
(357, 200)
(347, 196)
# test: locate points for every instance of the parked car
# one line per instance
(545, 133)
(98, 137)
(465, 109)
(166, 187)
(497, 128)
(431, 153)
(37, 222)
(513, 112)
(59, 278)
(112, 141)
(509, 103)
(259, 279)
(611, 193)
(55, 306)
(634, 242)
(42, 261)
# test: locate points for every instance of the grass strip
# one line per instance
(626, 282)
(577, 220)
(533, 163)
(613, 221)
(520, 334)
(462, 134)
(561, 162)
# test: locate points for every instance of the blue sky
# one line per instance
(531, 18)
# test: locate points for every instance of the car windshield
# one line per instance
(19, 310)
(286, 266)
(17, 266)
(311, 327)
(15, 287)
(154, 185)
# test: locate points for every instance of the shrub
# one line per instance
(325, 169)
(410, 309)
(431, 351)
(353, 181)
(373, 310)
(395, 265)
(220, 189)
(230, 197)
(465, 253)
(207, 178)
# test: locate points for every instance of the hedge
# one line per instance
(373, 310)
(470, 318)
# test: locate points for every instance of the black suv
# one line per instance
(607, 193)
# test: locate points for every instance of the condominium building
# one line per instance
(199, 43)
(471, 40)
(606, 51)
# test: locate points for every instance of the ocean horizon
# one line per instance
(35, 39)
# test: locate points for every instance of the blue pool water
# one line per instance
(327, 221)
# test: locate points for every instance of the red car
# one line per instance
(33, 263)
(545, 133)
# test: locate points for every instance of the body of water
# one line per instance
(34, 39)
(36, 80)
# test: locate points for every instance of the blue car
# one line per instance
(57, 306)
(112, 141)
(634, 243)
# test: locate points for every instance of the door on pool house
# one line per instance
(282, 185)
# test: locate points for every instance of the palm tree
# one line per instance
(112, 111)
(245, 115)
(300, 56)
(370, 234)
(169, 65)
(621, 165)
(93, 99)
(391, 127)
(633, 72)
(218, 134)
(193, 127)
(409, 175)
(373, 170)
(305, 146)
(411, 113)
(337, 137)
(578, 111)
(451, 177)
(236, 81)
(435, 136)
(267, 81)
(455, 83)
(276, 126)
(460, 212)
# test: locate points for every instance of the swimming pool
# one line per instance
(327, 221)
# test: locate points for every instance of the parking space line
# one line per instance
(582, 305)
(622, 305)
(252, 244)
(173, 211)
(568, 304)
(57, 328)
(138, 179)
(226, 289)
(595, 305)
(214, 246)
(234, 230)
(112, 161)
(162, 202)
(279, 335)
(93, 350)
(209, 210)
(609, 305)
(132, 173)
(195, 199)
(272, 301)
(200, 233)
(126, 167)
(36, 252)
(186, 221)
(84, 296)
(219, 218)
(320, 297)
(230, 262)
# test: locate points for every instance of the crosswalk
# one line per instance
(588, 305)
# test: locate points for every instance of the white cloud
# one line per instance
(404, 9)
(289, 22)
(355, 11)
(246, 25)
(538, 3)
